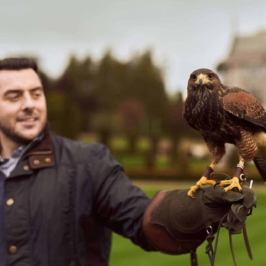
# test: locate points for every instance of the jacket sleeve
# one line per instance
(118, 204)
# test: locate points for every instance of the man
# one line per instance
(60, 199)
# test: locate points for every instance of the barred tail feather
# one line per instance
(260, 163)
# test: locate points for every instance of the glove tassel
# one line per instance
(247, 241)
(209, 248)
(193, 258)
(231, 247)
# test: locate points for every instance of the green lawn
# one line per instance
(124, 253)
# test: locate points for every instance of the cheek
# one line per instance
(42, 106)
(8, 111)
(44, 109)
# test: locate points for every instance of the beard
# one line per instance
(16, 137)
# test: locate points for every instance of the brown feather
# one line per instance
(223, 115)
(244, 105)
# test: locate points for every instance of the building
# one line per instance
(245, 66)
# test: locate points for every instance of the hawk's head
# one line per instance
(203, 81)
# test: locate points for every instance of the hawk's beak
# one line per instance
(202, 79)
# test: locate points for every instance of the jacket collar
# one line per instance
(42, 154)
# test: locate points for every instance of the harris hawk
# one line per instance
(222, 115)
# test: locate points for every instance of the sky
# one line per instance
(183, 35)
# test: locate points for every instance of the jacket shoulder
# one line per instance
(78, 151)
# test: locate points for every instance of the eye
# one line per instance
(13, 97)
(36, 94)
(210, 76)
(193, 77)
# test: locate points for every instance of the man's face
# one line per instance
(22, 106)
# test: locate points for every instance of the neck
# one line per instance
(7, 147)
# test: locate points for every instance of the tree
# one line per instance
(130, 112)
(110, 82)
(81, 75)
(73, 98)
(147, 85)
(178, 127)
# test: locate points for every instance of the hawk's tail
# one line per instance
(260, 163)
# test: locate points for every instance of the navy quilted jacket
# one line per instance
(61, 203)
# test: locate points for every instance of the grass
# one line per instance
(138, 161)
(131, 161)
(126, 253)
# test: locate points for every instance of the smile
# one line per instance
(29, 119)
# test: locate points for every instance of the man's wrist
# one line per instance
(157, 235)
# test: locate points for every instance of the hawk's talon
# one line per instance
(192, 190)
(235, 189)
(231, 184)
(203, 181)
(217, 184)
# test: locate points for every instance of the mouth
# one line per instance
(27, 120)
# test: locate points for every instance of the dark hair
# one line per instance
(13, 63)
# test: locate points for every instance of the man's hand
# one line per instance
(176, 224)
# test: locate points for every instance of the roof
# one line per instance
(246, 51)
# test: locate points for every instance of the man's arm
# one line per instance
(118, 204)
(177, 224)
(156, 234)
(172, 222)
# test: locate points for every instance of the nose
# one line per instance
(28, 102)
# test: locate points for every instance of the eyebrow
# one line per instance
(20, 91)
(37, 89)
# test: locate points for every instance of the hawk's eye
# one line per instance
(193, 77)
(210, 76)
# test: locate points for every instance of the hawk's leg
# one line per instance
(204, 180)
(218, 152)
(235, 181)
(247, 149)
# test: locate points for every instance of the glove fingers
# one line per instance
(236, 218)
(250, 199)
(240, 212)
(216, 194)
(232, 196)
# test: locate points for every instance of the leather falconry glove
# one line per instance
(191, 221)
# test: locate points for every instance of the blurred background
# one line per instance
(116, 72)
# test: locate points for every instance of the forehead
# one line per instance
(202, 71)
(19, 79)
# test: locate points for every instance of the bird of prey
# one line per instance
(222, 115)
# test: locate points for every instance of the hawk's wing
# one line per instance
(244, 105)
